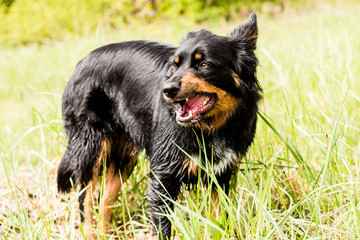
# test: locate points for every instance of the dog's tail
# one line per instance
(66, 172)
(78, 162)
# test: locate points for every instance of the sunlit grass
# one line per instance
(299, 180)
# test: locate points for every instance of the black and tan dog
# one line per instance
(131, 96)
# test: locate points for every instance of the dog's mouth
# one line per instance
(191, 109)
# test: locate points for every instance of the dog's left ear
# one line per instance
(246, 34)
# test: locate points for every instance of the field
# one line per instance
(300, 179)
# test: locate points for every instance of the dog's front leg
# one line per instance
(163, 191)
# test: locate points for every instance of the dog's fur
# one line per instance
(131, 96)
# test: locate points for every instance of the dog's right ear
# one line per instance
(247, 33)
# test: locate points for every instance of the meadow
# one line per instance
(300, 179)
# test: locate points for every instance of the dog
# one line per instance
(132, 96)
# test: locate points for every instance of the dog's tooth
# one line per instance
(190, 113)
(186, 99)
(205, 101)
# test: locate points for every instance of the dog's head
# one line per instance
(211, 77)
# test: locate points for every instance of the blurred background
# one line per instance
(29, 21)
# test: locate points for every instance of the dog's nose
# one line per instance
(171, 89)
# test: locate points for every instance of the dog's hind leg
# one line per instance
(123, 159)
(86, 202)
(111, 189)
(80, 165)
(224, 183)
(86, 199)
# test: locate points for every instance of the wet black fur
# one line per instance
(117, 90)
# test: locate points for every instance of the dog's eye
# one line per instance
(204, 65)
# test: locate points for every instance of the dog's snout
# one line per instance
(171, 89)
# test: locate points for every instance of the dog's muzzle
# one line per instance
(171, 89)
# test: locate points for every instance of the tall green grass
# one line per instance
(299, 180)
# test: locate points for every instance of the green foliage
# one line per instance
(6, 3)
(30, 21)
(35, 21)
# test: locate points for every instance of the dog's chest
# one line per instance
(219, 154)
(224, 156)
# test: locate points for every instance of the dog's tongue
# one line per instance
(194, 102)
(194, 107)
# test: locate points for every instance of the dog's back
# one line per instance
(100, 102)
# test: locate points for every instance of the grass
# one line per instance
(300, 179)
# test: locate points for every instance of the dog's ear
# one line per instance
(243, 41)
(246, 34)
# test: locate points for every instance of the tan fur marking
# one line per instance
(254, 40)
(252, 36)
(89, 199)
(112, 180)
(198, 56)
(191, 167)
(215, 207)
(125, 150)
(237, 79)
(222, 111)
(177, 59)
(88, 215)
(112, 187)
(105, 149)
